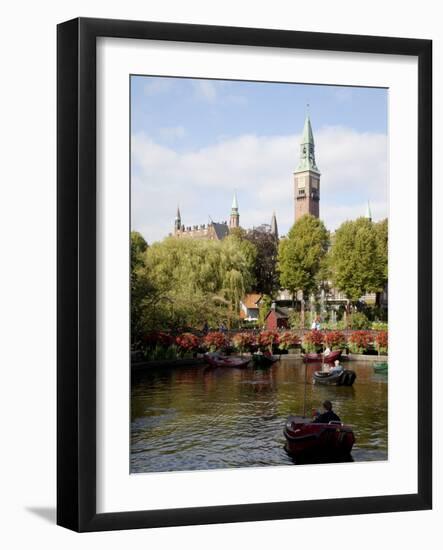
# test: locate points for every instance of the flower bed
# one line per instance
(334, 339)
(359, 341)
(244, 341)
(187, 343)
(381, 342)
(160, 345)
(312, 341)
(267, 339)
(288, 340)
(215, 341)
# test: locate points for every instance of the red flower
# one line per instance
(267, 339)
(360, 340)
(187, 341)
(215, 341)
(244, 341)
(313, 337)
(381, 340)
(334, 339)
(288, 340)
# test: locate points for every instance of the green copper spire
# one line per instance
(234, 207)
(234, 220)
(307, 147)
(307, 137)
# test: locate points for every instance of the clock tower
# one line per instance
(307, 177)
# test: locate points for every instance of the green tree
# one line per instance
(358, 258)
(300, 256)
(194, 281)
(265, 265)
(142, 289)
(381, 232)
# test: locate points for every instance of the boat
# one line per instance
(264, 359)
(338, 378)
(218, 360)
(321, 358)
(315, 439)
(381, 367)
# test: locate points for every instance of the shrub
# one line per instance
(288, 340)
(244, 341)
(379, 325)
(359, 321)
(312, 340)
(295, 319)
(215, 341)
(157, 338)
(381, 341)
(359, 341)
(267, 339)
(335, 339)
(162, 353)
(187, 342)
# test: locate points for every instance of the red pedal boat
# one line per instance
(307, 438)
(318, 357)
(219, 360)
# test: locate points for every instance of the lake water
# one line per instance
(198, 418)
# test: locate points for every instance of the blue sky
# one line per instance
(196, 141)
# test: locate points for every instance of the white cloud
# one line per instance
(260, 168)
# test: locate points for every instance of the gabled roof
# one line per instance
(250, 300)
(221, 230)
(280, 312)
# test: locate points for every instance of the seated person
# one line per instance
(327, 351)
(328, 416)
(337, 367)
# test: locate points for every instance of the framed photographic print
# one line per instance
(244, 274)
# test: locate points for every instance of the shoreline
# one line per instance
(199, 361)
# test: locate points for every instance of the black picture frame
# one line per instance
(76, 265)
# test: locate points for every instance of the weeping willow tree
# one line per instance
(193, 282)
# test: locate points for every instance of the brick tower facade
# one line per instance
(307, 177)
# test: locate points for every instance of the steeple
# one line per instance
(234, 202)
(274, 228)
(234, 220)
(368, 212)
(307, 149)
(307, 176)
(178, 220)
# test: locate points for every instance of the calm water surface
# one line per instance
(197, 418)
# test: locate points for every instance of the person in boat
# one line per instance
(327, 351)
(205, 328)
(336, 368)
(328, 416)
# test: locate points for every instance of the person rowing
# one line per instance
(336, 368)
(328, 416)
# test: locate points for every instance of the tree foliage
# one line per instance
(265, 265)
(358, 257)
(301, 255)
(189, 282)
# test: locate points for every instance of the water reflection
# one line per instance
(196, 418)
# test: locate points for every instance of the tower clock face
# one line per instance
(314, 184)
(301, 183)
